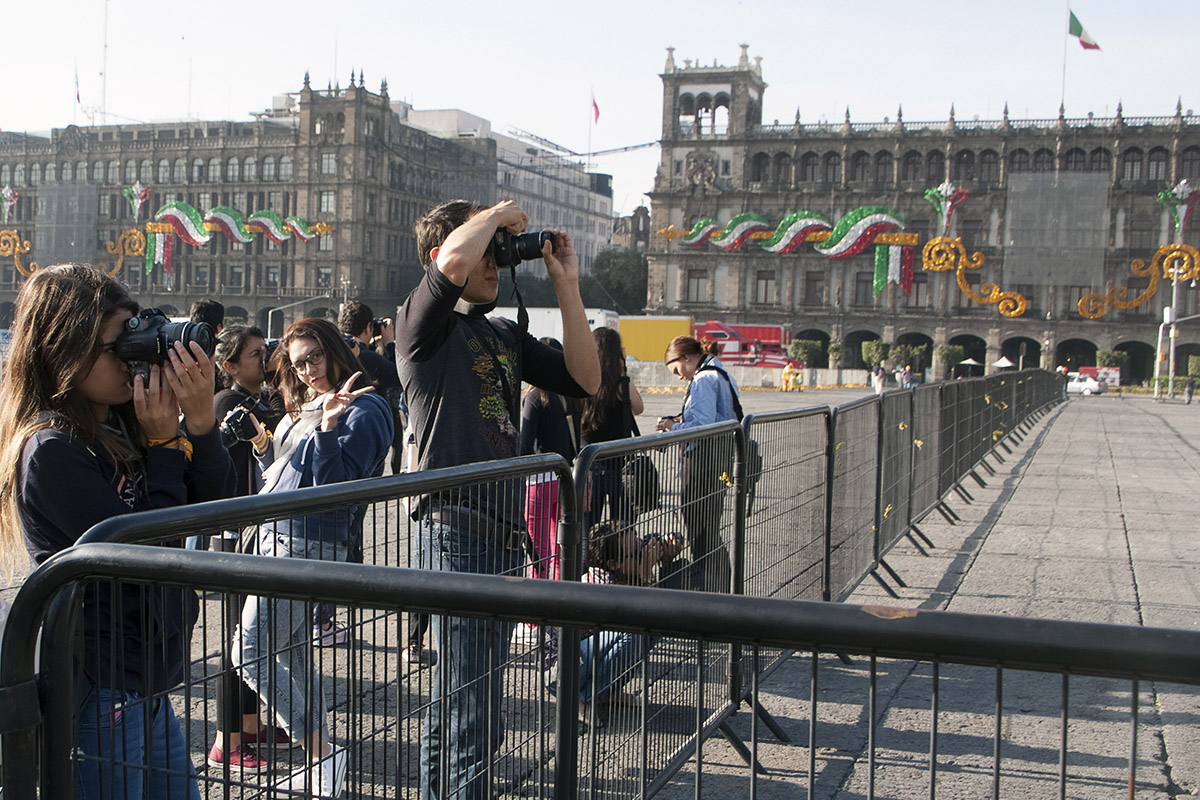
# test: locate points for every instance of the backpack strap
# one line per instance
(709, 366)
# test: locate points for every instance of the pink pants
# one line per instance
(541, 514)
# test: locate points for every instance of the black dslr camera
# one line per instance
(508, 249)
(150, 335)
(237, 425)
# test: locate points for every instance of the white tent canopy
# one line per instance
(1003, 363)
(970, 362)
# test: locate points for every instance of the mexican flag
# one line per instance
(1077, 30)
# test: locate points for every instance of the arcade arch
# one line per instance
(852, 348)
(1023, 351)
(1076, 353)
(1140, 367)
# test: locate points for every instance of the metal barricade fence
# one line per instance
(926, 431)
(853, 489)
(685, 516)
(1078, 687)
(895, 470)
(359, 669)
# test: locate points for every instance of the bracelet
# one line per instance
(259, 443)
(176, 442)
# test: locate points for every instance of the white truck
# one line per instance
(548, 321)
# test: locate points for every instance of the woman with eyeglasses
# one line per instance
(335, 430)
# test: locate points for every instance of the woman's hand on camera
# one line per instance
(190, 375)
(337, 402)
(155, 405)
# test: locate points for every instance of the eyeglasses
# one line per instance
(315, 359)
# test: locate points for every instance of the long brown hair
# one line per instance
(340, 362)
(55, 341)
(612, 370)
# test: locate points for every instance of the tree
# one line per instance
(1193, 366)
(874, 351)
(835, 354)
(950, 355)
(617, 280)
(910, 355)
(809, 351)
(1112, 358)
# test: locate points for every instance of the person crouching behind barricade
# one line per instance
(609, 659)
(86, 438)
(333, 432)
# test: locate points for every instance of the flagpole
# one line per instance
(1066, 40)
(591, 123)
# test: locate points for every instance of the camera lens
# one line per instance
(529, 245)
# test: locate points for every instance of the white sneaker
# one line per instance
(324, 778)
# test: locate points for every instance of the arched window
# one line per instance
(989, 166)
(81, 171)
(1075, 160)
(98, 171)
(1131, 165)
(269, 168)
(233, 169)
(35, 174)
(249, 169)
(198, 170)
(146, 171)
(130, 171)
(164, 171)
(214, 170)
(860, 167)
(67, 172)
(833, 168)
(285, 168)
(5, 174)
(1019, 161)
(884, 169)
(964, 166)
(1100, 160)
(114, 172)
(781, 172)
(808, 167)
(179, 171)
(51, 173)
(759, 167)
(1156, 164)
(1043, 161)
(935, 167)
(1189, 163)
(910, 168)
(19, 175)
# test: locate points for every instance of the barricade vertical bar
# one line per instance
(754, 728)
(933, 730)
(812, 729)
(830, 453)
(872, 699)
(876, 533)
(1133, 736)
(997, 733)
(1062, 749)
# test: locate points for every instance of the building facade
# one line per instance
(1057, 211)
(337, 157)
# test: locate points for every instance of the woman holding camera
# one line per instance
(333, 432)
(711, 397)
(84, 442)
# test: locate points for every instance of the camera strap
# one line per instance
(522, 313)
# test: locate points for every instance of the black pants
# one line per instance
(703, 505)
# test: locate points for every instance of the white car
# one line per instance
(1084, 384)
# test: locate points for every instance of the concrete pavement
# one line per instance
(1091, 518)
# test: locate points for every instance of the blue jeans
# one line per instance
(118, 756)
(468, 681)
(281, 677)
(616, 659)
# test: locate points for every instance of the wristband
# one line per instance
(176, 442)
(259, 443)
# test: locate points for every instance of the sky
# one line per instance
(536, 65)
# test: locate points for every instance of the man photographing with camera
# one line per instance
(462, 375)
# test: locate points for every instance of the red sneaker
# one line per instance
(242, 758)
(273, 735)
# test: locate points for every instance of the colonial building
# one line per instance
(1055, 213)
(345, 163)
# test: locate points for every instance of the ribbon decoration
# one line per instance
(1180, 202)
(136, 195)
(8, 199)
(945, 199)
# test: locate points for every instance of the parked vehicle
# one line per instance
(749, 345)
(1084, 384)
